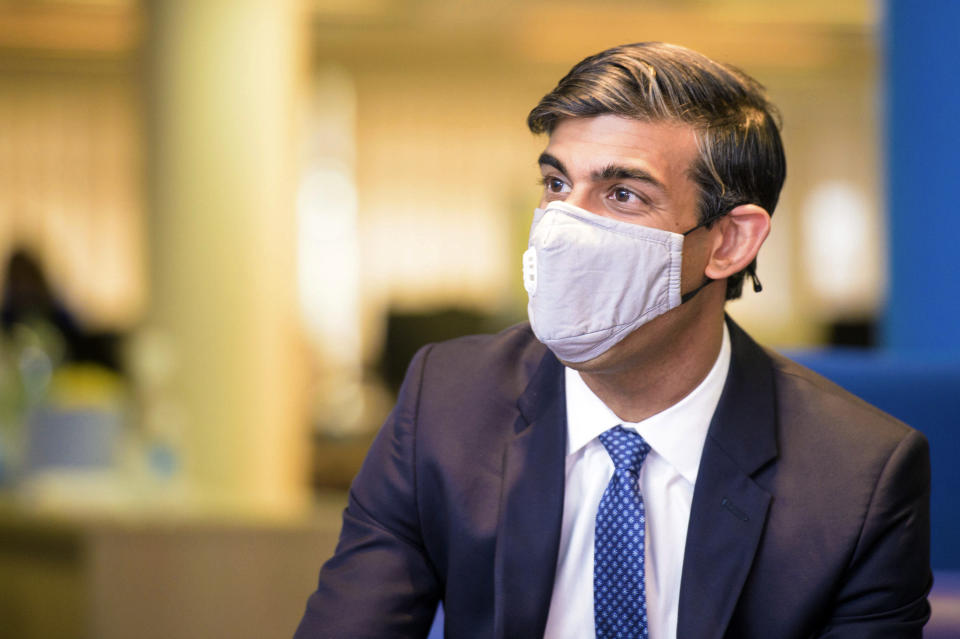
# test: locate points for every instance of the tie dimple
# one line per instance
(626, 448)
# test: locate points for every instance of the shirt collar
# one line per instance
(677, 433)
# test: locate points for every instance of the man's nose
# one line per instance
(578, 197)
(587, 200)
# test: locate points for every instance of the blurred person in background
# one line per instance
(631, 463)
(28, 300)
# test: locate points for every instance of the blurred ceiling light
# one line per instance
(841, 249)
(328, 253)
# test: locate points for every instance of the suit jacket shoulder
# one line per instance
(425, 519)
(809, 397)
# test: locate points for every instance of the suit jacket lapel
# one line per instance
(531, 507)
(729, 509)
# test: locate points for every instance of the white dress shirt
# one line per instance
(667, 477)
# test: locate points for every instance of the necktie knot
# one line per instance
(626, 448)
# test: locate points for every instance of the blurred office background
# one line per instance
(226, 225)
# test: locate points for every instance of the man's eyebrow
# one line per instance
(607, 173)
(615, 172)
(549, 160)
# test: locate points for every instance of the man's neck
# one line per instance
(661, 368)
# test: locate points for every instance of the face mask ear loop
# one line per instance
(706, 280)
(686, 297)
(702, 224)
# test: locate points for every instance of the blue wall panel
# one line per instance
(916, 376)
(921, 45)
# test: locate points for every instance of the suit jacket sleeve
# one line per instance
(380, 582)
(884, 592)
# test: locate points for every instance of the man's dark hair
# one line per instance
(741, 157)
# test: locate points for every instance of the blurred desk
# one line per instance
(114, 575)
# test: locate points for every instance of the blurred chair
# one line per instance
(408, 332)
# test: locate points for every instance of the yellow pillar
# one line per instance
(223, 82)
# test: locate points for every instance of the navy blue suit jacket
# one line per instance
(809, 515)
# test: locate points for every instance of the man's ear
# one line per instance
(742, 232)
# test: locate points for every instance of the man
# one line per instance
(631, 463)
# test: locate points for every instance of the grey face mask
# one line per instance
(592, 280)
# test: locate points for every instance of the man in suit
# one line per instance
(631, 463)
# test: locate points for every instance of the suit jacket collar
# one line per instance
(729, 509)
(531, 506)
(744, 422)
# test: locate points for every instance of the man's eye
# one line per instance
(622, 195)
(554, 185)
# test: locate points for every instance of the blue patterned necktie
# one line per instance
(619, 597)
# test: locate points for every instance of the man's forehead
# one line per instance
(589, 145)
